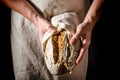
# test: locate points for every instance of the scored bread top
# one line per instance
(60, 56)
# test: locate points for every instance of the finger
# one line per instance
(74, 38)
(82, 51)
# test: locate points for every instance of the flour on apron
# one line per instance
(28, 59)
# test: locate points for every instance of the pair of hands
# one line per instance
(83, 31)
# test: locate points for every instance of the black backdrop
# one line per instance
(6, 67)
(103, 56)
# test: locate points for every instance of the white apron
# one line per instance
(28, 59)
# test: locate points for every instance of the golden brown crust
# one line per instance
(58, 42)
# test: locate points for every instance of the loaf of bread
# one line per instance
(60, 56)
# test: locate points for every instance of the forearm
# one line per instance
(94, 12)
(23, 7)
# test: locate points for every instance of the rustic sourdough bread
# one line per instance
(60, 56)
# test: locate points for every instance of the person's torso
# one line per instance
(50, 8)
(26, 49)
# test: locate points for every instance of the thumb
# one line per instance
(52, 29)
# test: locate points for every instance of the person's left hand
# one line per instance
(83, 31)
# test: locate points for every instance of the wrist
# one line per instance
(90, 20)
(39, 21)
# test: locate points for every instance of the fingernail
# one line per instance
(71, 42)
(77, 62)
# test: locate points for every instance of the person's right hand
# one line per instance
(44, 26)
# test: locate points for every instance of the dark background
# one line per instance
(6, 67)
(104, 48)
